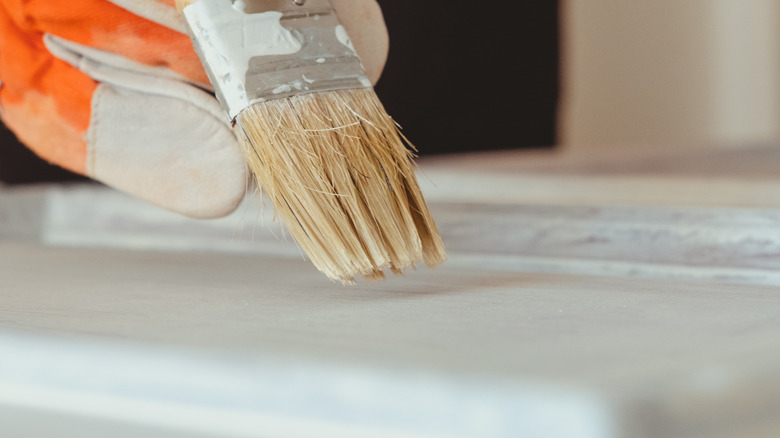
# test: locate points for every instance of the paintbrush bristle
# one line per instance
(342, 179)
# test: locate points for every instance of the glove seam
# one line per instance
(159, 13)
(91, 134)
(158, 81)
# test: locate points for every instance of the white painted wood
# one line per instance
(122, 335)
(558, 214)
(553, 317)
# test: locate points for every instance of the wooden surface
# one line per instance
(659, 176)
(581, 319)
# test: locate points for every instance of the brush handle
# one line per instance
(363, 21)
(181, 4)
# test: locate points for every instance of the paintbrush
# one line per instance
(315, 135)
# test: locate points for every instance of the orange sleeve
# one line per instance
(103, 25)
(45, 101)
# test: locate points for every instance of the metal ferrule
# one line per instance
(259, 50)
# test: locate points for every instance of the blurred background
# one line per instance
(587, 75)
(667, 72)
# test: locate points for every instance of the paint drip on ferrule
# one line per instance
(252, 53)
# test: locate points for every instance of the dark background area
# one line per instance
(460, 77)
(467, 76)
(18, 165)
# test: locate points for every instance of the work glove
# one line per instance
(114, 90)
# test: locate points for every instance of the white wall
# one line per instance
(670, 72)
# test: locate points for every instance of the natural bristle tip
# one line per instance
(342, 179)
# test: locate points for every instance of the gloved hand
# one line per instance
(114, 90)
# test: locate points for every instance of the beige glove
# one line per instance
(113, 90)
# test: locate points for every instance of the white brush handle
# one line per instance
(181, 4)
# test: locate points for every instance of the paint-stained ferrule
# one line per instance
(259, 50)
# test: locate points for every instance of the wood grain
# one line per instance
(597, 318)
